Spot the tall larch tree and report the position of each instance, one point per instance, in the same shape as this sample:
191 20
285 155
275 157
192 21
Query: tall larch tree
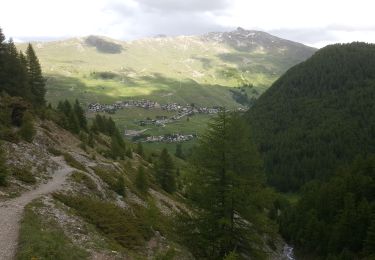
227 185
80 113
36 80
164 171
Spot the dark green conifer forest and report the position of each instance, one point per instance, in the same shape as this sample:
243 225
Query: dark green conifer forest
315 129
319 115
21 74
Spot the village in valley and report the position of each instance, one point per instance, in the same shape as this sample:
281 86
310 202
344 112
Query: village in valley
181 111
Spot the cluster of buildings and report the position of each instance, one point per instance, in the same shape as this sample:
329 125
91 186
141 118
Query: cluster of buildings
189 109
112 108
171 138
149 104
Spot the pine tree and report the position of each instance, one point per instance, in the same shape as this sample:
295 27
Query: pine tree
2 60
141 180
227 184
140 149
2 36
369 245
91 141
120 186
80 114
27 130
73 122
3 168
129 153
179 152
116 150
164 171
13 74
36 80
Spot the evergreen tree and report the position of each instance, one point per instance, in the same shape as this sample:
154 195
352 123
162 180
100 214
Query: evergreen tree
2 60
227 186
3 168
129 153
140 149
164 172
369 245
73 122
179 152
27 130
70 120
80 114
141 181
2 36
120 186
13 77
36 80
117 151
91 141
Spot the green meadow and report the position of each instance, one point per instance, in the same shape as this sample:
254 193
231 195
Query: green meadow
183 69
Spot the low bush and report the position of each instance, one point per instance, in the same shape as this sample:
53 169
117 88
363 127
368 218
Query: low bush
113 179
24 175
54 151
114 222
3 170
82 178
27 130
71 161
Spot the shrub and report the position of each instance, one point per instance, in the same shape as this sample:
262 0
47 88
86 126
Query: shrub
85 180
113 179
54 151
3 170
141 181
27 130
129 153
73 162
114 222
24 175
9 135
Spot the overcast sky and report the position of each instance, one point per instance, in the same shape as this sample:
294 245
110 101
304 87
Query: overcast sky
315 23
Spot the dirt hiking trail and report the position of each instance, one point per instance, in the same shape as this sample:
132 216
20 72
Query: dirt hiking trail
11 211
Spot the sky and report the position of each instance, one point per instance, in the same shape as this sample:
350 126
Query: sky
314 23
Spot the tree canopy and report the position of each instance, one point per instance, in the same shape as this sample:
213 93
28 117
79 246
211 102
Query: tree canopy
226 185
317 116
20 74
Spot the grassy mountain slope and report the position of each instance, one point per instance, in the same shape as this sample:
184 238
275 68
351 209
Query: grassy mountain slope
181 69
318 115
87 216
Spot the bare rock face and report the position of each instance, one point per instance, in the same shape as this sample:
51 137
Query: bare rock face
252 40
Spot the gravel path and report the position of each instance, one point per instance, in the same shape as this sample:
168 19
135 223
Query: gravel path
11 211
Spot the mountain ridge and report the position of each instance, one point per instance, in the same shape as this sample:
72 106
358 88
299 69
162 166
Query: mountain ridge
150 63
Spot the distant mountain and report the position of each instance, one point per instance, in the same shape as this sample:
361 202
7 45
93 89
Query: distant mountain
175 69
251 40
318 116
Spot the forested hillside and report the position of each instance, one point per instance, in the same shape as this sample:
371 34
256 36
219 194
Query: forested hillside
319 115
335 219
73 188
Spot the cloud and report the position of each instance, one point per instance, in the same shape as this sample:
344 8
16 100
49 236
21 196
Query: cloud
314 23
166 6
134 19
